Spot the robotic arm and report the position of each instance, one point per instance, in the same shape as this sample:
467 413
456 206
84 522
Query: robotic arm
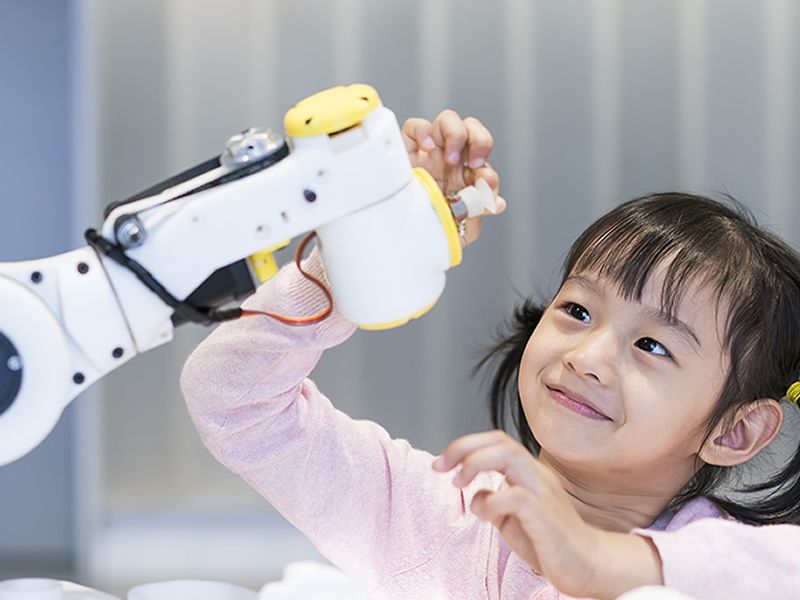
184 248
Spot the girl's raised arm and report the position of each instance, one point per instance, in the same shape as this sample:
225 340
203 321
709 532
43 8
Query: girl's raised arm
368 502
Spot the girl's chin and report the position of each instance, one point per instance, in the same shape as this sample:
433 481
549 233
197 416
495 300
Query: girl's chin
570 442
572 459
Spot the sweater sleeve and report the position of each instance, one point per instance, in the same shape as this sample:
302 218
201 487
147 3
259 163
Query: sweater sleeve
719 559
371 504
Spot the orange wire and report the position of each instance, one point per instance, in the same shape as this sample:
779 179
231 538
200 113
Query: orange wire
309 320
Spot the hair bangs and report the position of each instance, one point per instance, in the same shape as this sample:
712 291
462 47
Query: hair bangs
628 251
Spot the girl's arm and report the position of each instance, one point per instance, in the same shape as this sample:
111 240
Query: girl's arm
718 559
254 367
369 503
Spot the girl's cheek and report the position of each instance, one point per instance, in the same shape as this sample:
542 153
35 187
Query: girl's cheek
531 364
548 341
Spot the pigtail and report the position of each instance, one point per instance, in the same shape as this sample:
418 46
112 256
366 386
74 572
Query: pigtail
502 361
781 504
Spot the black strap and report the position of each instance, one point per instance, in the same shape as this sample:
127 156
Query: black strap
187 311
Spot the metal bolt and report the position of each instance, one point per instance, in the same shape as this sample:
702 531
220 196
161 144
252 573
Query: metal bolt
129 231
251 145
14 363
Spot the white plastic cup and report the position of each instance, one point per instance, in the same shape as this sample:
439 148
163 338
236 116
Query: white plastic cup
311 580
190 589
654 592
31 589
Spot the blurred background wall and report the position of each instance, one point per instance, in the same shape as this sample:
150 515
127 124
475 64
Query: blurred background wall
590 103
36 206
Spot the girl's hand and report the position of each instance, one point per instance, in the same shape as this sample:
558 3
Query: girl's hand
533 514
454 151
537 519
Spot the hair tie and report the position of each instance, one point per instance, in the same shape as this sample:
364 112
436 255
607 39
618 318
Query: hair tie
793 393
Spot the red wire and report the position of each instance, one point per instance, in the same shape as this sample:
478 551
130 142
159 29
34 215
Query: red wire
309 320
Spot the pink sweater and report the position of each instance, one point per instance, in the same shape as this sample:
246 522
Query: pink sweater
374 506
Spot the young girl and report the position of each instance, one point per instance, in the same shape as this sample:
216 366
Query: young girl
657 367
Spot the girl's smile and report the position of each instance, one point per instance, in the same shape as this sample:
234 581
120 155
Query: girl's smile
576 403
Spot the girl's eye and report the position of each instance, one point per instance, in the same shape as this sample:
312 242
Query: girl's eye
652 346
576 311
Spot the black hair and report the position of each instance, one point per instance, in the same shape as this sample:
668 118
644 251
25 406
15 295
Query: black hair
754 273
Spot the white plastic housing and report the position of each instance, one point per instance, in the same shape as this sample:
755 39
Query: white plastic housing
388 261
66 329
365 166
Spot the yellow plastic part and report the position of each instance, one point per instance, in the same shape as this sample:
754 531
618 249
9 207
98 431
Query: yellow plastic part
398 322
264 264
793 393
331 110
444 213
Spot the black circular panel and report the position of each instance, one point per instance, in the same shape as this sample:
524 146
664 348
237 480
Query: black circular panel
10 373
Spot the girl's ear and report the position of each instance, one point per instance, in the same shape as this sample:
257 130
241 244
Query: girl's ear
754 427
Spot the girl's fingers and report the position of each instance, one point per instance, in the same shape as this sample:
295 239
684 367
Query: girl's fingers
495 507
488 173
511 511
460 447
510 459
418 135
472 231
450 133
480 143
479 503
500 204
450 141
490 451
489 458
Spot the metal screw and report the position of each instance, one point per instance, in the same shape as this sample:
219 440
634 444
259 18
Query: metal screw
36 277
83 268
117 352
129 231
310 195
249 146
14 363
78 378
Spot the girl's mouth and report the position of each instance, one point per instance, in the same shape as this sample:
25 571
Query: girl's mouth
565 399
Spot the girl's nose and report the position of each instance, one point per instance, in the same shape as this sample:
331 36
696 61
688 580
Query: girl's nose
593 356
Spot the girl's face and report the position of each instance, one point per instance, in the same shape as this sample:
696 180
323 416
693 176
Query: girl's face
614 384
